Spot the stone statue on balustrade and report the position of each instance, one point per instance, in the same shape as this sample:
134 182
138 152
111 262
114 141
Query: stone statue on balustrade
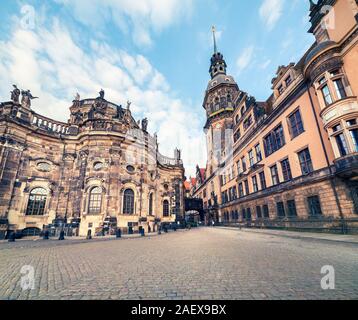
15 94
27 97
177 154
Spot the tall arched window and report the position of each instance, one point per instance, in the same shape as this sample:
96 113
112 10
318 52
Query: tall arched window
166 208
128 202
151 204
95 201
37 202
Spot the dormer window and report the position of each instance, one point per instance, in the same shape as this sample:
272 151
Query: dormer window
247 122
288 81
280 89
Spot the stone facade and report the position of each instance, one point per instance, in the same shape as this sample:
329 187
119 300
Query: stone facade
292 160
99 171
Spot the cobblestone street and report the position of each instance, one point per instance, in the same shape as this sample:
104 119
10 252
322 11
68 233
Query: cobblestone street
199 264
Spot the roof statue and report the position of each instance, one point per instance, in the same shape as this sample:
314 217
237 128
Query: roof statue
15 94
26 98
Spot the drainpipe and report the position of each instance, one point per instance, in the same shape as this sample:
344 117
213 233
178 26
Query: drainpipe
333 184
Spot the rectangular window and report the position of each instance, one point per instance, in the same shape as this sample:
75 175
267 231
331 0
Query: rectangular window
291 206
244 167
251 158
248 214
258 153
238 164
266 211
244 217
326 95
247 122
237 135
280 89
247 188
354 135
340 91
342 144
296 124
281 210
322 81
314 206
254 183
286 170
274 141
274 175
288 81
241 190
305 161
234 193
263 180
258 212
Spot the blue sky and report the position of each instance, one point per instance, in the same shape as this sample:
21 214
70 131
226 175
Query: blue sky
153 52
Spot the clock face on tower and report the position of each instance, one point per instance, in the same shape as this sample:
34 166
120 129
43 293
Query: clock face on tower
218 126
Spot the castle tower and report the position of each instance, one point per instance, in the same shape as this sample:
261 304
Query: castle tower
219 99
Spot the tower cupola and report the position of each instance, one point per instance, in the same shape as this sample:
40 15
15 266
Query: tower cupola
218 64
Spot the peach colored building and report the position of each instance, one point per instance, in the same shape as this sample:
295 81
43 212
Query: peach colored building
292 160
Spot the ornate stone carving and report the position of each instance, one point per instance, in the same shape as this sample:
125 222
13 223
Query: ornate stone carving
83 154
325 66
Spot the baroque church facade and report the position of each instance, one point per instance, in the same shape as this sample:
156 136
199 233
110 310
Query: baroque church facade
100 171
290 161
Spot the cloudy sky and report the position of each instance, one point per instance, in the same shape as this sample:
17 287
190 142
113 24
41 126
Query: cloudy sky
154 53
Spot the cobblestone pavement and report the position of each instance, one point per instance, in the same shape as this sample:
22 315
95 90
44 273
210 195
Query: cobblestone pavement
199 264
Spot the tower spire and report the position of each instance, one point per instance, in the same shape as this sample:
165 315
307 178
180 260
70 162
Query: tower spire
213 29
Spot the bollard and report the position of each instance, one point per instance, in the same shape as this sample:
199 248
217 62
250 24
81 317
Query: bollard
119 233
142 232
46 235
175 228
62 236
12 237
89 235
159 231
165 230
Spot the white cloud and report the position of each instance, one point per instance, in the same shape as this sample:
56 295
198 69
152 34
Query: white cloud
139 17
49 63
265 64
245 58
270 12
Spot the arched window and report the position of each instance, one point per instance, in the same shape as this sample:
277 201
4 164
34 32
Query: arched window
37 202
128 202
166 208
95 201
151 204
